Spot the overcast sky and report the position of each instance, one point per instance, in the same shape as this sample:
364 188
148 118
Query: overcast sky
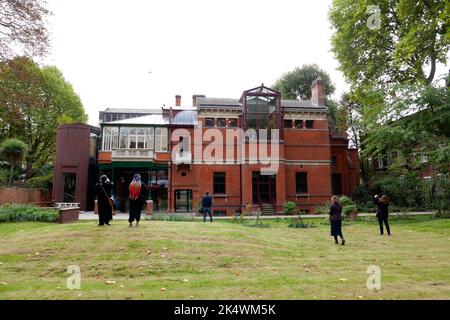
141 53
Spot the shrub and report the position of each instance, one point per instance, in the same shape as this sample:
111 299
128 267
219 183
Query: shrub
3 177
40 182
346 201
361 194
346 210
23 213
299 223
323 209
290 208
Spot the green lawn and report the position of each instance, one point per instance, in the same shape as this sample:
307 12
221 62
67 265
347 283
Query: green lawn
192 260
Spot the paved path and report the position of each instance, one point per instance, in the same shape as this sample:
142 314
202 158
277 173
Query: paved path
124 216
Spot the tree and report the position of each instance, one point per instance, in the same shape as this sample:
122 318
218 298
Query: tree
36 101
403 46
13 151
296 84
415 126
349 118
23 27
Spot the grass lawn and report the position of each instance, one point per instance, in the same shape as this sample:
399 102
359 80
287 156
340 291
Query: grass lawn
224 260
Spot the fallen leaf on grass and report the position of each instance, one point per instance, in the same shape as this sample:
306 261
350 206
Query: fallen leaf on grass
110 282
163 289
343 279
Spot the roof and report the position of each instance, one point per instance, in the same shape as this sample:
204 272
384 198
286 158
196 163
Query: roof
293 105
152 119
186 118
289 105
176 108
218 102
124 110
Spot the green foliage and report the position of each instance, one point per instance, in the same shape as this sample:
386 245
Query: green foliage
300 224
345 201
23 213
34 101
323 209
412 193
290 208
348 209
39 182
296 84
411 36
13 150
3 177
361 194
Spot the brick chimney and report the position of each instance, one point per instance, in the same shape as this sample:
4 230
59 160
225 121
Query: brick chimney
178 100
318 92
194 98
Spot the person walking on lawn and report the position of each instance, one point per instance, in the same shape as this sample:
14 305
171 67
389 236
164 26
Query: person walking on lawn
138 195
336 220
207 206
103 191
382 212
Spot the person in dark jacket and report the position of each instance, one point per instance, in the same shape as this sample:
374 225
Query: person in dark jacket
103 191
336 220
138 196
382 212
206 207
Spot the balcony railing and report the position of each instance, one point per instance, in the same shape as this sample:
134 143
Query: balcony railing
183 158
133 154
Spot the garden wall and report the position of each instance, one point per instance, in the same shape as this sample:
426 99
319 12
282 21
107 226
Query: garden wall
25 196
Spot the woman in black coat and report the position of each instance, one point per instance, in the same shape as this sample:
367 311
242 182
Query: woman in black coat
103 191
382 212
138 196
336 220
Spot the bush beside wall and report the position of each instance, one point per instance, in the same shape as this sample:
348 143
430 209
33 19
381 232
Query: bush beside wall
23 213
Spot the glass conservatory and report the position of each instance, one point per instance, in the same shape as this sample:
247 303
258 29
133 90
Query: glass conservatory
262 109
134 141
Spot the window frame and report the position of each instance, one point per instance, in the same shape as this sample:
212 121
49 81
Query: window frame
309 124
297 182
222 185
210 126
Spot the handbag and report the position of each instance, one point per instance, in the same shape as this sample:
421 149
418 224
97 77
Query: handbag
110 201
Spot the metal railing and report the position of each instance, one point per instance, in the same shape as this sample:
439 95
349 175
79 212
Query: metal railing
133 154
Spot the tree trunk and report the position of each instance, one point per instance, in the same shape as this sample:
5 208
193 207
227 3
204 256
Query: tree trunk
29 171
432 71
11 171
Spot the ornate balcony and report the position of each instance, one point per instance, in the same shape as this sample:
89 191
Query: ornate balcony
133 154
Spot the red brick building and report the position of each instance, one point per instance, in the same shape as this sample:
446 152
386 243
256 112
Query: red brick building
225 147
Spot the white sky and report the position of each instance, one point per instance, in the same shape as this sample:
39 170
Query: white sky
106 48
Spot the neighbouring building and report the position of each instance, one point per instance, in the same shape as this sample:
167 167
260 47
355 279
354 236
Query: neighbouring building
313 160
